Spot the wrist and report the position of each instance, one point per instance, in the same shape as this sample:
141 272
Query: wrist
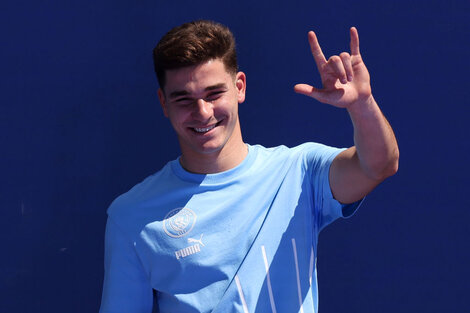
361 105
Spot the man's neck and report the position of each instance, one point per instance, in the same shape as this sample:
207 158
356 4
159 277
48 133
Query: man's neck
225 159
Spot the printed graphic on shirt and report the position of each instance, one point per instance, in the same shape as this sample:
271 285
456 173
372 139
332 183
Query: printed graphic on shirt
179 222
197 240
182 253
188 251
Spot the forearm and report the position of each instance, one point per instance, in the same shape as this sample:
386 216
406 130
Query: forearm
375 142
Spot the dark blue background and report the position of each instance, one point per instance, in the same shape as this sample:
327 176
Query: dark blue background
80 124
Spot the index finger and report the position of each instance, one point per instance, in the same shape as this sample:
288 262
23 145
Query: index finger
316 50
354 41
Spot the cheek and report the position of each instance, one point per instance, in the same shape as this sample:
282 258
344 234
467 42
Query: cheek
223 111
177 117
228 106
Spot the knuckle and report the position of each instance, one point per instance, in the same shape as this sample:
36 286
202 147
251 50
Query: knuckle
335 59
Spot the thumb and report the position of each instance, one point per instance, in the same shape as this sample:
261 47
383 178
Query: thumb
310 91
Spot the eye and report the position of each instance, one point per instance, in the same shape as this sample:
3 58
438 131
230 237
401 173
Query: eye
214 95
184 101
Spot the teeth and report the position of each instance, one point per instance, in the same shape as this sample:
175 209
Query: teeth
203 130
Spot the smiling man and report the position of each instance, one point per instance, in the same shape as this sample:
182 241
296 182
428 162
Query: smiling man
229 226
209 135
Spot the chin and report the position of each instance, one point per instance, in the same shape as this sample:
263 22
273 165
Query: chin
209 149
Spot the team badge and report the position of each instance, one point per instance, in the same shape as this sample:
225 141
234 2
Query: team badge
179 222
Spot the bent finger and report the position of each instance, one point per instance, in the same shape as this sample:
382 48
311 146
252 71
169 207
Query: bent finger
337 67
346 59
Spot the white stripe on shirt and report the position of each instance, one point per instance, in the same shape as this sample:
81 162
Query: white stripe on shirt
299 291
310 270
271 297
240 292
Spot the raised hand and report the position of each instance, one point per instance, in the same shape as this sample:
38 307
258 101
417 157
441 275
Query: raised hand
345 78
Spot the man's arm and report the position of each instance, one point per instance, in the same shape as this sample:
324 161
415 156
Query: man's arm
346 84
126 287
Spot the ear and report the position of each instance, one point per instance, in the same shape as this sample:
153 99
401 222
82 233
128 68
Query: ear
240 83
161 97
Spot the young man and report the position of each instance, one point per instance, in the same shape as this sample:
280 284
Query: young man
232 227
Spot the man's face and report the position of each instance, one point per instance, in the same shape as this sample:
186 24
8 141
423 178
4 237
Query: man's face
201 102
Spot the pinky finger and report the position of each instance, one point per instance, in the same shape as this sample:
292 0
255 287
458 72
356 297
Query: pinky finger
354 41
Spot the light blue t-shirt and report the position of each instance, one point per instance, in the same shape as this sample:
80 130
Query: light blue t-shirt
243 240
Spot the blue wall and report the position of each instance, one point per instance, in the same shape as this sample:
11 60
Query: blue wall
80 124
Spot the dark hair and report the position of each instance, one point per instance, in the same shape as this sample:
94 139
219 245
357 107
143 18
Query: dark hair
194 43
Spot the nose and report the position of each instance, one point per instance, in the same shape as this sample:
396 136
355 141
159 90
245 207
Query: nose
203 110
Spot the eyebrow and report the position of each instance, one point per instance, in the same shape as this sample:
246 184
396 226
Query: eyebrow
179 93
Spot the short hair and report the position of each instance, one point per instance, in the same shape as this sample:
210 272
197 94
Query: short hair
194 43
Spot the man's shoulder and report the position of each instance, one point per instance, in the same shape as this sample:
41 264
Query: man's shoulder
304 148
151 187
309 156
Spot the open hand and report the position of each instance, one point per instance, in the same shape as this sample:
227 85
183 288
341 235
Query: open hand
345 78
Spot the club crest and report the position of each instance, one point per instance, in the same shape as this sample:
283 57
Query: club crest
179 222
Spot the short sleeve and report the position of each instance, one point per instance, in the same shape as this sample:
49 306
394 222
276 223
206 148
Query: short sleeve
326 208
126 287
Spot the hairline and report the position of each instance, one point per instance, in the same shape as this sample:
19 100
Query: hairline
233 74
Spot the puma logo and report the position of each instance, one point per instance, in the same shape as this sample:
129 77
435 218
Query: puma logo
197 240
193 249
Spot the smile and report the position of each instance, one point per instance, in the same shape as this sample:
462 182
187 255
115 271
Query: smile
204 130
